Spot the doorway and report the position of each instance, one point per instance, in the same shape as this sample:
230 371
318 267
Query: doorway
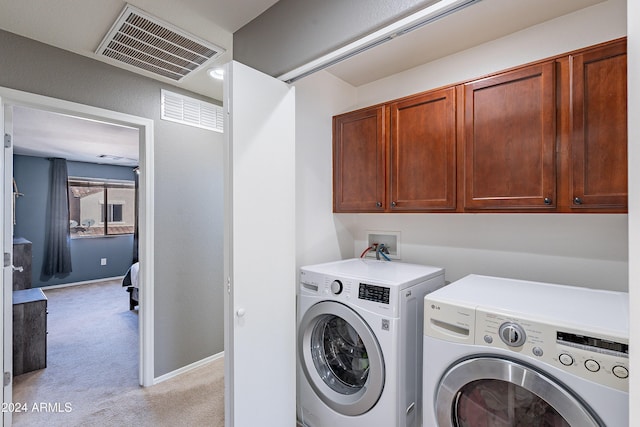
10 98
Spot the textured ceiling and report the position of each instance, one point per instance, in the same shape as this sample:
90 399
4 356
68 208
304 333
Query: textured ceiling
44 134
80 26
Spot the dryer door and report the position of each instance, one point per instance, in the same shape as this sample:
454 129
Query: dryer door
491 391
341 358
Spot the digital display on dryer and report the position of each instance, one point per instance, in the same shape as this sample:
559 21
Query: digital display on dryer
586 341
374 293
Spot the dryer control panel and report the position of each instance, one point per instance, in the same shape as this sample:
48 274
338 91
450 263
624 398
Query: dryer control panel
593 356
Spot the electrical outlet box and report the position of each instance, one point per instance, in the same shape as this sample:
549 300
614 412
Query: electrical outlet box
103 261
390 239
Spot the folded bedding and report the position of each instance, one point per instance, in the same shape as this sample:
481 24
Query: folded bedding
131 278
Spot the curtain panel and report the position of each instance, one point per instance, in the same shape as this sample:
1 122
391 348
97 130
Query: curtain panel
58 247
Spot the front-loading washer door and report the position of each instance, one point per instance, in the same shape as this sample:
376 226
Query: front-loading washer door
497 392
341 358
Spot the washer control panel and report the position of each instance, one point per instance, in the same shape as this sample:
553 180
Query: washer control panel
604 360
375 297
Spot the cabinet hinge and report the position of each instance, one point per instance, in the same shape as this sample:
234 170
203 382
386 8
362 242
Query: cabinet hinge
7 140
7 378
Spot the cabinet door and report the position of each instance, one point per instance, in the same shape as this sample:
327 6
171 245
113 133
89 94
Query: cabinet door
599 139
423 152
359 161
510 140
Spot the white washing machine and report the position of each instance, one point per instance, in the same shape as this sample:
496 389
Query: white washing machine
360 342
501 352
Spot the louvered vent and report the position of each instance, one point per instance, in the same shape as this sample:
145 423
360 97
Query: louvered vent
191 111
147 43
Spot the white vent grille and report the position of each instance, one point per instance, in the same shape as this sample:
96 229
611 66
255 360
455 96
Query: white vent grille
147 43
190 111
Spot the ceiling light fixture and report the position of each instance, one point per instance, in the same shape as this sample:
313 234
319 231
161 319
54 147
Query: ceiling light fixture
216 73
398 28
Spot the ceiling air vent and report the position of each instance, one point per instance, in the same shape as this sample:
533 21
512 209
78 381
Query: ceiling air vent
150 44
190 111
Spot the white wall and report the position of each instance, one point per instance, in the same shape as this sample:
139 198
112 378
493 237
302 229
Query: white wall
583 250
633 54
321 236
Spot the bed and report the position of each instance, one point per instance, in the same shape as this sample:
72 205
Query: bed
130 281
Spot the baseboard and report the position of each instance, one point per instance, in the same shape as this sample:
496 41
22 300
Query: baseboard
188 368
86 282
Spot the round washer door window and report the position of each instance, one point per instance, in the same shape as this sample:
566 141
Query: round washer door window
496 392
341 358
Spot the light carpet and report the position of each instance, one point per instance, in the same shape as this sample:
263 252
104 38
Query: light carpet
91 378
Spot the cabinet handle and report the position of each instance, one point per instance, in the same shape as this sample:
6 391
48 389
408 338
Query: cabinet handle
393 204
378 204
577 200
547 201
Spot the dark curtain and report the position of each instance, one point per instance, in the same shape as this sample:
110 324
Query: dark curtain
136 173
58 250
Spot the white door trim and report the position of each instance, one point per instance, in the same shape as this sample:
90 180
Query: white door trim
6 220
146 223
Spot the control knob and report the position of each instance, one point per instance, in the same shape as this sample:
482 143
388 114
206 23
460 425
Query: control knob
336 287
512 334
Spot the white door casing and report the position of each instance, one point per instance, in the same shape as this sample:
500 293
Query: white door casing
6 128
9 97
259 249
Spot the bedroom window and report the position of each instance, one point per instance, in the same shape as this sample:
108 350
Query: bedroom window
101 207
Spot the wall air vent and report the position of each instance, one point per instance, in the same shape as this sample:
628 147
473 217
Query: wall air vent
190 111
147 43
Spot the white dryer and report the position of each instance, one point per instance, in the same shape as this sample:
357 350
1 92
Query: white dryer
501 352
360 342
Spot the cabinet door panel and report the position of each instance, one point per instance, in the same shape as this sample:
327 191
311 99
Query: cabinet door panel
599 144
510 140
423 147
358 156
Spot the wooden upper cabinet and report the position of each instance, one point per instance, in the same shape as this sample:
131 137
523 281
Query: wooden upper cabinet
423 152
545 137
510 140
599 128
359 177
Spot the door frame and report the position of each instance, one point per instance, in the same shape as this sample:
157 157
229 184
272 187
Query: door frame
11 97
6 233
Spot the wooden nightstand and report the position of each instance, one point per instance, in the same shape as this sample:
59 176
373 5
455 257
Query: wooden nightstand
29 330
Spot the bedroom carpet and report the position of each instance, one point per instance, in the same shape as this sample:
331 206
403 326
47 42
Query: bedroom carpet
91 378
